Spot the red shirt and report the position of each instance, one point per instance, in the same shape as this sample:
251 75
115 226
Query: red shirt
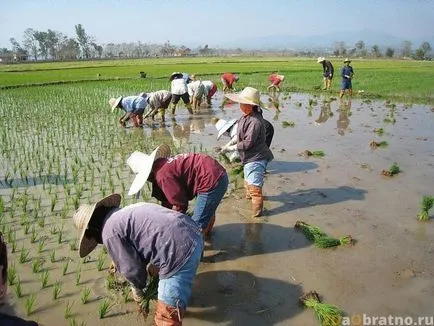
275 79
229 78
178 179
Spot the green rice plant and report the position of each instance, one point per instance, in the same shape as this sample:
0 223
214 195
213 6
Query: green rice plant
53 256
60 236
393 170
65 267
327 314
78 276
237 170
85 295
68 310
44 279
24 255
311 232
14 244
53 202
104 308
73 245
126 293
318 153
37 265
426 204
17 288
2 206
33 236
41 222
57 287
320 238
150 293
41 245
30 303
10 234
379 131
12 274
288 124
53 230
328 242
101 261
26 228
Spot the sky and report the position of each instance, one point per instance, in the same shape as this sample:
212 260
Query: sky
212 22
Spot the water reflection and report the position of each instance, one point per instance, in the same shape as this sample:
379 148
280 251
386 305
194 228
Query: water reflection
180 133
344 112
324 114
252 244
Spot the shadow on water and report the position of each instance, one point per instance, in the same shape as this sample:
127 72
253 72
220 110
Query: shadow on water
313 197
34 181
276 167
235 240
236 297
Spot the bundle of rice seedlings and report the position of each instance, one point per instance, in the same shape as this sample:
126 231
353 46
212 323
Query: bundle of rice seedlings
150 293
320 238
288 124
225 158
381 144
393 169
327 314
425 206
308 153
237 170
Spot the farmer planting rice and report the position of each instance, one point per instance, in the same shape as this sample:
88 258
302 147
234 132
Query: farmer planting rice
275 80
251 144
210 90
134 107
228 79
145 238
179 91
178 179
158 101
347 74
5 319
328 72
196 91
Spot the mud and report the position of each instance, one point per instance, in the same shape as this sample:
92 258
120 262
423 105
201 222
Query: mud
255 269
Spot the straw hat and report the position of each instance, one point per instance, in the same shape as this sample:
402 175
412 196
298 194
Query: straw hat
347 60
141 164
320 59
114 102
175 75
82 218
223 125
281 77
249 95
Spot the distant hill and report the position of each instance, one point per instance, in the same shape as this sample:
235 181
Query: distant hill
325 41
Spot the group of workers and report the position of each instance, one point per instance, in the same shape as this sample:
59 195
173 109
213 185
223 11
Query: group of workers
347 73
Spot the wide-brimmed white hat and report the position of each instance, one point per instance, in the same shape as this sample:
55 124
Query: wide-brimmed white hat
176 75
223 125
84 215
114 102
141 165
320 59
347 60
248 95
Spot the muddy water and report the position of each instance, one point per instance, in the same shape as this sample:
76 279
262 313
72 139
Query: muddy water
255 269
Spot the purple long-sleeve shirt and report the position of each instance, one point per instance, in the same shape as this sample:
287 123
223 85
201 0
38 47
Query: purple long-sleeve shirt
145 233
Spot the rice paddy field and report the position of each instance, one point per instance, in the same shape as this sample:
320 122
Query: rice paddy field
62 147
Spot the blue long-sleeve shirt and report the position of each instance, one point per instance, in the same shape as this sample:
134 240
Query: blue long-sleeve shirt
347 71
133 104
145 233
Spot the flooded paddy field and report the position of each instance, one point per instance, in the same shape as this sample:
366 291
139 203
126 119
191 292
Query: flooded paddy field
62 147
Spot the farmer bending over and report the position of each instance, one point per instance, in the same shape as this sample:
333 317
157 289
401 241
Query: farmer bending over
141 235
196 90
327 72
178 88
134 107
228 79
158 101
275 80
178 179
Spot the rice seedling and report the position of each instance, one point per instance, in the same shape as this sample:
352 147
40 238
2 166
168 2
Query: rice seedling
65 267
30 303
60 236
150 293
41 245
37 265
288 124
126 293
320 238
14 245
44 279
379 131
68 310
57 287
17 288
101 261
24 255
426 204
327 314
373 144
236 170
10 234
41 222
308 153
12 274
53 256
78 276
104 308
53 230
33 235
393 170
53 202
73 245
26 228
85 295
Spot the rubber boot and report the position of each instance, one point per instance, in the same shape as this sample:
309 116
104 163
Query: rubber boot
325 84
166 315
257 200
208 230
246 190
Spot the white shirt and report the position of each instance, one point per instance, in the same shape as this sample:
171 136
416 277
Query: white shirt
178 86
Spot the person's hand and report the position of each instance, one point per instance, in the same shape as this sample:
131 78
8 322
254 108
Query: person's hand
122 123
152 270
137 294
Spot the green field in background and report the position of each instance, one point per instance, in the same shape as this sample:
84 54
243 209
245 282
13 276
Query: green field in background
404 80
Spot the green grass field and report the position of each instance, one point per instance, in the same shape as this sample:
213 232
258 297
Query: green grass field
401 80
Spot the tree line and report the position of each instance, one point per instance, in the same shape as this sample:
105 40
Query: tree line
53 45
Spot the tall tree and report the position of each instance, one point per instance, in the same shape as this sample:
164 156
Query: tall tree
406 49
30 43
376 51
83 40
389 52
69 49
52 42
41 37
